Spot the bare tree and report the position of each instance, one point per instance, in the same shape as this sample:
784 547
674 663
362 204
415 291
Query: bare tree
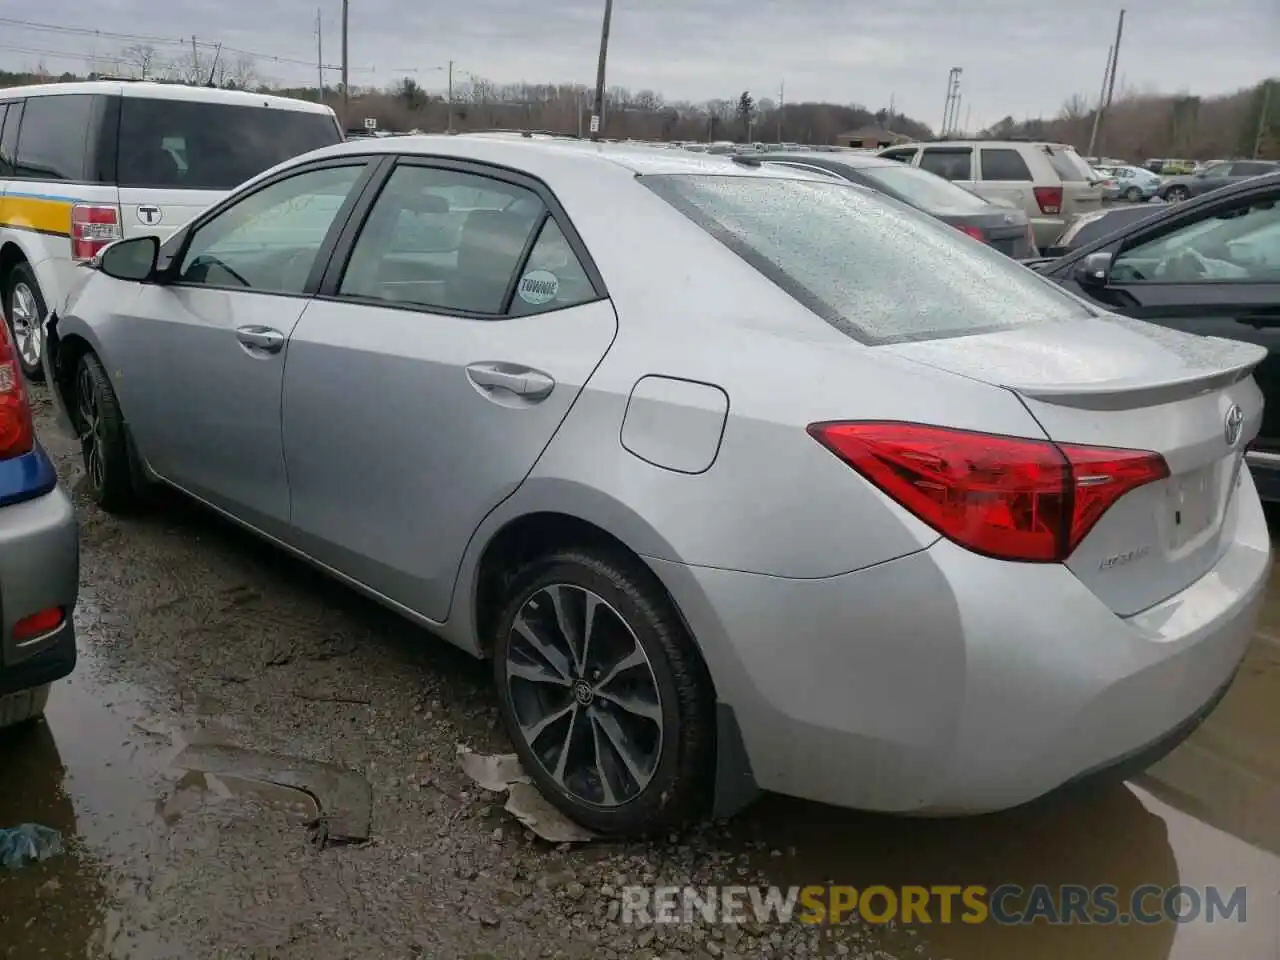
141 59
242 73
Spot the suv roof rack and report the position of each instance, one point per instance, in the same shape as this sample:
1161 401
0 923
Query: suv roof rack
1045 140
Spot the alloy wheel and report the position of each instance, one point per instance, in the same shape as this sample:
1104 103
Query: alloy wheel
89 426
26 324
584 695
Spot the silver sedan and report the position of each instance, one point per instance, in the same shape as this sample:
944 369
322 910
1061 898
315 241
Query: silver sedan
746 479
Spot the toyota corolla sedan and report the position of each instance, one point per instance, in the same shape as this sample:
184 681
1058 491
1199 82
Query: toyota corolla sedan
743 477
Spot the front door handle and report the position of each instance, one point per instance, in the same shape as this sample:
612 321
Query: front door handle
524 382
261 338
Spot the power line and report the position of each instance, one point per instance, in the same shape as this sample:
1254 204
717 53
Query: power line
166 41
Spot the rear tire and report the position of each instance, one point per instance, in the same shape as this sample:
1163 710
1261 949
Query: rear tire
23 706
104 443
25 309
619 732
1177 194
1133 195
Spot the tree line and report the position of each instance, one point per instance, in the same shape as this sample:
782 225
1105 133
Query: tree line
1138 124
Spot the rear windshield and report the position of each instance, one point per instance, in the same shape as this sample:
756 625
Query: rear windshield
189 145
873 268
1068 164
925 190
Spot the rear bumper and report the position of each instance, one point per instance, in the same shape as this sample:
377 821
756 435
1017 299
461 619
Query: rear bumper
1265 468
39 569
946 683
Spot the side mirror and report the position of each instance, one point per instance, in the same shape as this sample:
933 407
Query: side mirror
133 259
1094 270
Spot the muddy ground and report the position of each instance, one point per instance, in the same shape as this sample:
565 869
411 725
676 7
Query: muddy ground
194 634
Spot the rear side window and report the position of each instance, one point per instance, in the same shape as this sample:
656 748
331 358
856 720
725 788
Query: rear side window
950 163
194 145
1067 164
874 270
902 156
53 142
1004 164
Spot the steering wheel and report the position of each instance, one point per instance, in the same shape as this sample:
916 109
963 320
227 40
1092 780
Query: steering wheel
207 261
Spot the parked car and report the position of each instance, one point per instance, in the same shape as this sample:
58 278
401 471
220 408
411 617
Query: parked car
705 571
1049 181
1211 266
39 557
1129 183
1100 223
82 164
1006 229
1214 177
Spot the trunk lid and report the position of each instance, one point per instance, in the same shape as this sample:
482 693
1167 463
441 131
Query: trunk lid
1117 382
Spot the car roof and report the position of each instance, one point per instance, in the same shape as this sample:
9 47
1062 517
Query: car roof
164 91
546 156
1219 197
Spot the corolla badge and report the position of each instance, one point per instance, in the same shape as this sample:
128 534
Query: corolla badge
1233 424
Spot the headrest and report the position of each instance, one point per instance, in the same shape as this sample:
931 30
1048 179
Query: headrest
492 240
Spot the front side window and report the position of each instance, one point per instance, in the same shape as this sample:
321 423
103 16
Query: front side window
950 163
269 241
444 240
1004 164
1240 245
873 269
53 143
198 145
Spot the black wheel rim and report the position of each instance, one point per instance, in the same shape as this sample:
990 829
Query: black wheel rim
89 424
584 695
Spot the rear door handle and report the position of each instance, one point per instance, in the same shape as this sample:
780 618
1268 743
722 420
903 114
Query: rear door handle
261 338
522 381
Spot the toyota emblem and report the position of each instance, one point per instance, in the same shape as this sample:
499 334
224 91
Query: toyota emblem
1234 424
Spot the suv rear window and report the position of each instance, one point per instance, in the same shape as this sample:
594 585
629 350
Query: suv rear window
194 145
1068 164
876 271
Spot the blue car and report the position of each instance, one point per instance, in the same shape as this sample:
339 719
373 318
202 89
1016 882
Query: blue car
1129 183
39 557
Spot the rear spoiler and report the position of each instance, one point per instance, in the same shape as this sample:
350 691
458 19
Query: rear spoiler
1237 361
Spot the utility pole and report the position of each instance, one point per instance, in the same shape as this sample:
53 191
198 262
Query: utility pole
195 62
319 60
1263 118
1111 80
346 91
782 104
950 110
1102 96
597 116
450 127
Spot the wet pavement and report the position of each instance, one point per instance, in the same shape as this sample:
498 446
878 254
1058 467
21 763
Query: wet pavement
233 710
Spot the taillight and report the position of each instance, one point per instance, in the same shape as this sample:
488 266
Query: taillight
38 624
17 435
1003 497
1049 198
92 228
975 232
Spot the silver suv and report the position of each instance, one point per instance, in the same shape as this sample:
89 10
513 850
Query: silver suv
1050 181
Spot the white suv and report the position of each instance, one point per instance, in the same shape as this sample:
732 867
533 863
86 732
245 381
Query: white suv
1050 181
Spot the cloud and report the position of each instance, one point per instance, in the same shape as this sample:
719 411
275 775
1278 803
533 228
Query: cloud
1019 59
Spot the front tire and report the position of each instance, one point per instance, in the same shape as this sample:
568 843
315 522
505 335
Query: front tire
104 446
1177 194
23 706
604 694
25 308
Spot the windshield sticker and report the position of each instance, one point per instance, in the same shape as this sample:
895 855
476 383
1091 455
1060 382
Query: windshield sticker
538 287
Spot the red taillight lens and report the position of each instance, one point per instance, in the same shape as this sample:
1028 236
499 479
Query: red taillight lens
1004 497
975 232
38 624
1049 198
92 228
17 435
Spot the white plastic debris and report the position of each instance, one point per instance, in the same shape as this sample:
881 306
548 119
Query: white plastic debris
502 773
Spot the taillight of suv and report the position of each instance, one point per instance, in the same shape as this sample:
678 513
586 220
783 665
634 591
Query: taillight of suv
1050 200
93 226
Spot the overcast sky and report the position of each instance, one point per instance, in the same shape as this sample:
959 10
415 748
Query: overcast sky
1021 58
